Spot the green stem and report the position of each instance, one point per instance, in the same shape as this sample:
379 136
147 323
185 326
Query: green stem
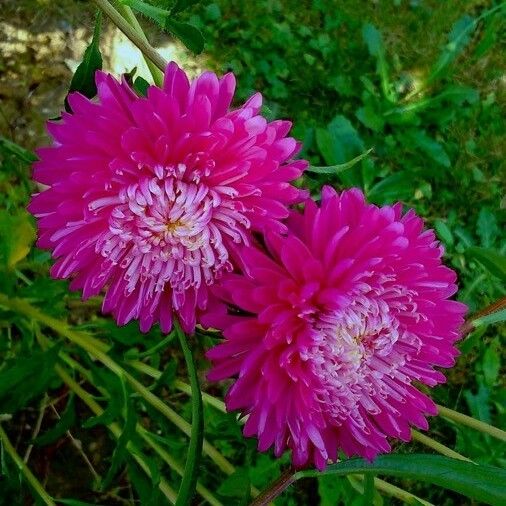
140 41
166 457
128 14
115 429
95 348
438 447
472 422
189 481
180 385
29 476
399 493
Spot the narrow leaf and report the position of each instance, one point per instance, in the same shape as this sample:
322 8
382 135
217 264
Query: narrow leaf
491 259
480 482
335 169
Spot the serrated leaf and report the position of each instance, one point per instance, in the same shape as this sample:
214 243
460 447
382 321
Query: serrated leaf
491 259
25 378
157 14
66 421
479 482
83 79
188 34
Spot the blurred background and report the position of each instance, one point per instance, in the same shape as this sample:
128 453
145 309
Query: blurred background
420 82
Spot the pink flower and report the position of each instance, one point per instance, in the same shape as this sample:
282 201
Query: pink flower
335 323
148 196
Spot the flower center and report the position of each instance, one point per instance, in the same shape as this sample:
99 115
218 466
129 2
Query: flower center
169 229
354 351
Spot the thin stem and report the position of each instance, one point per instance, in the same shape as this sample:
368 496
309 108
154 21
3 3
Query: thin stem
399 493
438 447
468 326
95 349
146 49
472 422
189 481
169 460
128 14
174 464
275 488
114 427
29 476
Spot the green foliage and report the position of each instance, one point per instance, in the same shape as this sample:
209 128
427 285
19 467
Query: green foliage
167 19
396 99
83 79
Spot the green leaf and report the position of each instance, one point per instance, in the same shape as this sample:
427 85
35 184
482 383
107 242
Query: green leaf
181 5
330 490
141 86
458 39
487 227
374 41
24 378
336 169
112 384
339 143
444 232
491 362
83 79
491 259
66 421
397 186
75 502
479 482
17 235
429 146
120 452
496 317
369 118
188 34
236 485
148 494
189 481
7 146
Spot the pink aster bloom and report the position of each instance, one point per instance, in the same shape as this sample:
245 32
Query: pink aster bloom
148 196
336 322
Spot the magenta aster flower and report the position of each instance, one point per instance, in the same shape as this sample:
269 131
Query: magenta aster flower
335 324
148 196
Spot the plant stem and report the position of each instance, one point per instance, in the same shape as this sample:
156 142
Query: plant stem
115 429
472 422
189 481
29 476
180 385
140 41
128 14
438 447
275 488
399 493
468 326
